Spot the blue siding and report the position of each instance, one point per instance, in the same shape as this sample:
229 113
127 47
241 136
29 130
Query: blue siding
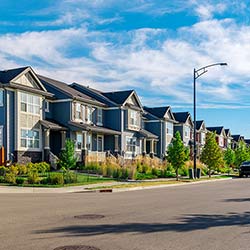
112 119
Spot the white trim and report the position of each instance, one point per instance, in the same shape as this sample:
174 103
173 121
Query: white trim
20 148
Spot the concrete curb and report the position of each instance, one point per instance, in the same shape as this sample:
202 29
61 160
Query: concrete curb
83 189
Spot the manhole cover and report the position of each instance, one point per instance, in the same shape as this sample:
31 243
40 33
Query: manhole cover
77 247
89 216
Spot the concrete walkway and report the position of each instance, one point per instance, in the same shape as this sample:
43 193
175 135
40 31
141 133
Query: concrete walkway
84 188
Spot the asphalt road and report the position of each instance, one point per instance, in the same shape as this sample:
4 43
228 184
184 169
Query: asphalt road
203 216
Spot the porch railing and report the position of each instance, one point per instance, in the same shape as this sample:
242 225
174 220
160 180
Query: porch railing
96 156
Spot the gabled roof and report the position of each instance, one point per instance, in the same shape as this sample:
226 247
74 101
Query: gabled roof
217 130
118 97
181 117
7 75
237 137
147 134
69 91
159 112
94 93
199 124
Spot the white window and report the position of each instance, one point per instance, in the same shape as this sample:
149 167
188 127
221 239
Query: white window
89 142
99 116
79 141
29 138
89 114
187 131
203 138
30 103
100 143
1 97
46 106
221 141
131 144
78 111
1 136
170 128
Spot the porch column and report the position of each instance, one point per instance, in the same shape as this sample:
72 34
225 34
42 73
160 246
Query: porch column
46 144
151 148
63 139
84 148
144 150
116 145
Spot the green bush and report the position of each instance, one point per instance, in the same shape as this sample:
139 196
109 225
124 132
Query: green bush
110 171
168 174
10 178
56 179
69 177
22 169
3 170
2 180
143 176
20 180
33 176
125 173
42 167
13 169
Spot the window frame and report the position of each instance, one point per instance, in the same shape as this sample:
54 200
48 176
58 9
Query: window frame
28 101
99 117
79 144
130 144
1 136
29 139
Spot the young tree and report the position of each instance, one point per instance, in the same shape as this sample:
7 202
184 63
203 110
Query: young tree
67 157
229 158
211 154
241 154
177 154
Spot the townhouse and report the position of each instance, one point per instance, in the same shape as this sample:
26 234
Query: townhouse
200 136
160 121
22 113
236 139
124 113
221 137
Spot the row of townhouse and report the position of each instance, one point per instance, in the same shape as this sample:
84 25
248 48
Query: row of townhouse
38 114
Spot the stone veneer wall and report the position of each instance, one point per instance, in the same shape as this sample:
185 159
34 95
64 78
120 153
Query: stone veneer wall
27 156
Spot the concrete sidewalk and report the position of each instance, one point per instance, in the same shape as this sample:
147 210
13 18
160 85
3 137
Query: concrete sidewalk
85 188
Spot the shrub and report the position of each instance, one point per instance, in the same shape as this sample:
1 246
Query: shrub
132 173
67 157
3 170
110 171
20 180
33 176
125 173
13 169
2 180
22 169
56 179
69 177
42 167
10 178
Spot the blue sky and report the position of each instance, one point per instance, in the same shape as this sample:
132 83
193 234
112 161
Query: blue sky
150 46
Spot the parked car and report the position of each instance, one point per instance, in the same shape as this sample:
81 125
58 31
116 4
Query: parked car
244 169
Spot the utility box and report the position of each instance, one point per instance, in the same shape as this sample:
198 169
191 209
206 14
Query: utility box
191 173
2 159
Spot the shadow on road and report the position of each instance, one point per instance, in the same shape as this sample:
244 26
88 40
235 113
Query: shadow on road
186 223
237 200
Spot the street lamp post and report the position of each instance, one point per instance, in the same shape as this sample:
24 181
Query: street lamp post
197 74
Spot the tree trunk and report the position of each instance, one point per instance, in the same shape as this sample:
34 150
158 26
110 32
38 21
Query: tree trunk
209 173
177 176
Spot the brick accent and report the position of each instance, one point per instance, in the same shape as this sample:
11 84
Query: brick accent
27 156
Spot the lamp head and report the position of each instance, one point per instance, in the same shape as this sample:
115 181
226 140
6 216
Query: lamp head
223 64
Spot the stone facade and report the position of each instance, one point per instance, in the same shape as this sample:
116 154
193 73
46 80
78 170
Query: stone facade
27 156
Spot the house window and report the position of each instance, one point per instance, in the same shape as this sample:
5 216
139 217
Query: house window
79 141
1 136
203 138
99 116
30 103
29 138
78 111
99 143
187 131
134 118
89 114
170 128
46 106
221 141
89 142
131 144
1 98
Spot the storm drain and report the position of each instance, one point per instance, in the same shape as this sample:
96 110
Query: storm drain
89 216
77 247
